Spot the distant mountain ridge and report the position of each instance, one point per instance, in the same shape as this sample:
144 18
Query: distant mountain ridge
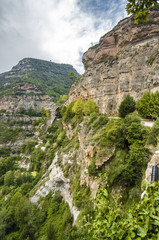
50 78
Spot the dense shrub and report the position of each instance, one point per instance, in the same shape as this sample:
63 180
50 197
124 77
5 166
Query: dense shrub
78 107
127 106
138 222
132 117
136 160
113 133
154 133
148 105
81 195
30 112
90 107
92 168
67 113
134 132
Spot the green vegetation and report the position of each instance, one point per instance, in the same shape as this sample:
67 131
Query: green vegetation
152 59
111 60
77 110
85 65
140 9
30 112
127 106
94 150
90 107
50 78
148 105
111 221
9 134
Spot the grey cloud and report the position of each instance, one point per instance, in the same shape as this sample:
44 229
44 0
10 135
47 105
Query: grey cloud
35 29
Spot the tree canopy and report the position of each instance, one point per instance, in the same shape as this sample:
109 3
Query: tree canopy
127 106
140 9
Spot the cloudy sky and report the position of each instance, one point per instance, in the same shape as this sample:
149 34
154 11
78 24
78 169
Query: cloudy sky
57 30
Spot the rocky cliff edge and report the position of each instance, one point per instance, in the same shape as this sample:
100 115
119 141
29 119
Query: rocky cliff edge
125 61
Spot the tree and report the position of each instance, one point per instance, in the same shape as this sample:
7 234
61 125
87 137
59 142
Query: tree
134 132
90 107
127 106
140 9
148 105
72 76
67 113
9 178
78 107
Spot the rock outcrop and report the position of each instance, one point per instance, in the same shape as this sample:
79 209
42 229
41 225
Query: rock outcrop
54 180
27 97
124 34
125 61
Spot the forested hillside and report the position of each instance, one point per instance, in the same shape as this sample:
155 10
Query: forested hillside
50 78
86 168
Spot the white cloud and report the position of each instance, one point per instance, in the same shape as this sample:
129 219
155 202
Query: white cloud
56 30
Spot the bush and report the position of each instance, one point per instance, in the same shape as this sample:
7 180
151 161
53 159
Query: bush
92 168
154 133
136 160
90 107
67 113
132 117
99 122
9 178
78 107
112 133
61 138
127 106
134 132
148 105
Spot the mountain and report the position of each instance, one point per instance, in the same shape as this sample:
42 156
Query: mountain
49 78
126 60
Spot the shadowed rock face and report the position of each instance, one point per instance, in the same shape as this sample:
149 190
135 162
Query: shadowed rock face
125 61
124 34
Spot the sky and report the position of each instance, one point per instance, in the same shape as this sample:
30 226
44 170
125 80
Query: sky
56 30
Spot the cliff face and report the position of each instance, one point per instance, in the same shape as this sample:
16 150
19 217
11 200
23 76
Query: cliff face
27 96
125 61
124 34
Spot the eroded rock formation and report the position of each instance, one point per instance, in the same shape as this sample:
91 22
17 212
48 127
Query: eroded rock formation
125 61
124 34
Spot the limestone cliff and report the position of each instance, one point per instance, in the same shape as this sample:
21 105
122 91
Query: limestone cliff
27 96
126 60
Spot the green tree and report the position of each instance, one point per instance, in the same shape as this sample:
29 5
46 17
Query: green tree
127 106
140 9
72 76
113 133
90 107
9 178
148 105
78 107
134 132
136 161
67 113
143 105
62 99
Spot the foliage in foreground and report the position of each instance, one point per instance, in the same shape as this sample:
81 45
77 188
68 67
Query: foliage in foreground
140 9
139 222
